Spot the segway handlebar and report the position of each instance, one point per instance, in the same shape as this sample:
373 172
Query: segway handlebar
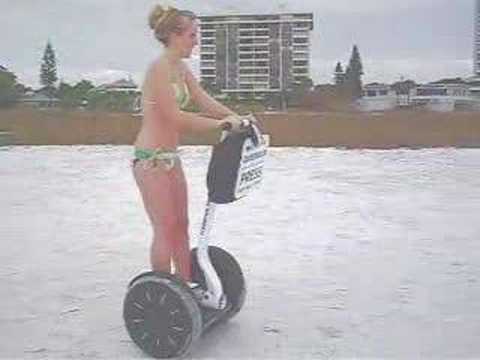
245 122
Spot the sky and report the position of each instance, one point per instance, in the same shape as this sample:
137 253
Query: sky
104 40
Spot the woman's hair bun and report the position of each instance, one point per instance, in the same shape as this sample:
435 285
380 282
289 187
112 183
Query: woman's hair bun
157 12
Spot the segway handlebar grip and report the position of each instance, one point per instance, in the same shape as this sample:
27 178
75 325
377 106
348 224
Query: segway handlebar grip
226 126
245 124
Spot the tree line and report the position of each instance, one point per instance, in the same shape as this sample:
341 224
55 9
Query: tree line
347 84
79 95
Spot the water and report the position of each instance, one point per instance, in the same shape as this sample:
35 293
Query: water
346 253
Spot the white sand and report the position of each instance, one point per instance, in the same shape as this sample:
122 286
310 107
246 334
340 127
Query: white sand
347 254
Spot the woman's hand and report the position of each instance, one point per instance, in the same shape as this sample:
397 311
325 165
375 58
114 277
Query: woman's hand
232 123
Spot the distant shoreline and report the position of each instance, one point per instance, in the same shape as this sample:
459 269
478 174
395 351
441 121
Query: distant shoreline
389 130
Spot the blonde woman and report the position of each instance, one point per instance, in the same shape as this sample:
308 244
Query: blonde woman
168 87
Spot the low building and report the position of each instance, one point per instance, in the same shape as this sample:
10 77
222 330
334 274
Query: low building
475 92
474 86
39 99
377 97
476 36
444 97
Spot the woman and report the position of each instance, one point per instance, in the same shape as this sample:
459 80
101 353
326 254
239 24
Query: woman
168 87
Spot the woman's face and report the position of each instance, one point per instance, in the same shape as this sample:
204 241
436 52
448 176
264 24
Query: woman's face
187 40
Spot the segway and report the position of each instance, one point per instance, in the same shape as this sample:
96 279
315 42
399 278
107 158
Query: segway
164 315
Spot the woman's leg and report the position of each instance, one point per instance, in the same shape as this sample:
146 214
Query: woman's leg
181 241
157 188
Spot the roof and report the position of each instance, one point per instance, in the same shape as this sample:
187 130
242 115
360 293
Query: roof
257 18
445 98
3 68
122 85
450 81
376 85
473 80
266 16
38 97
442 85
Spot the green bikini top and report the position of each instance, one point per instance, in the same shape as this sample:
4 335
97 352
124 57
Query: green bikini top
182 95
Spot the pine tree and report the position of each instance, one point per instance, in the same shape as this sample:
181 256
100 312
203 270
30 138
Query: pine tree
48 69
353 74
339 74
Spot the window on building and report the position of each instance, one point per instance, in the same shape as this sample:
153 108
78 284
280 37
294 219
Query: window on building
300 71
300 31
431 92
253 71
300 63
208 71
208 35
207 49
301 24
207 63
300 48
297 56
254 79
254 63
300 40
207 57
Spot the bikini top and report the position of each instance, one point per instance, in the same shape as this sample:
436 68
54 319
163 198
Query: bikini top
182 95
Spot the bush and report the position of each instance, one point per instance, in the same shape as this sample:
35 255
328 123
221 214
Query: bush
8 89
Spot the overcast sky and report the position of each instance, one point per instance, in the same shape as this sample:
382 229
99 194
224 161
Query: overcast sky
103 40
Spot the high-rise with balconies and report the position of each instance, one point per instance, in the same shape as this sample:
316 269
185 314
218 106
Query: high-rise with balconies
255 53
476 47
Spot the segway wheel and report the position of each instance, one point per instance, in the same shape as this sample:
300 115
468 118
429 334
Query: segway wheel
161 315
230 275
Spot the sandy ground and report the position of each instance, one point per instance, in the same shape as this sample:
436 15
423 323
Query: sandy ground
347 254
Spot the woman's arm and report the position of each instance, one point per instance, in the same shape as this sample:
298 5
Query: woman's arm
164 97
204 101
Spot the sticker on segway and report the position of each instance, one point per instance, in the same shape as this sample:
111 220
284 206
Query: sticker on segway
250 172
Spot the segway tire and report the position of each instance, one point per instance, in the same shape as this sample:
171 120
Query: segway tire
161 315
230 274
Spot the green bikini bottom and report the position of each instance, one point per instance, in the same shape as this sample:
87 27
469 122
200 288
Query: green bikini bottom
150 158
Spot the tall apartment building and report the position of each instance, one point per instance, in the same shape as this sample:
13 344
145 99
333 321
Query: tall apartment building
255 53
476 55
